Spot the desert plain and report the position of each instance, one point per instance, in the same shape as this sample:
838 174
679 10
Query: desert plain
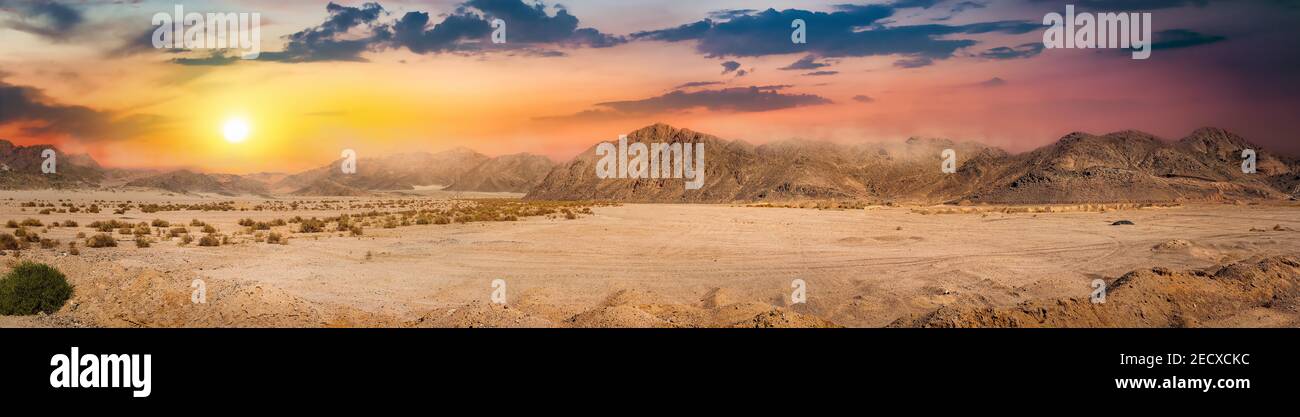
662 265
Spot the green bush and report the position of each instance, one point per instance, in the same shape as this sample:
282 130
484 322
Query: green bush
32 288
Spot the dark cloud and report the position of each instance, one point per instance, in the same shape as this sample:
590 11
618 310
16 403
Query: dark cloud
694 84
457 32
46 18
967 5
529 28
848 31
1006 52
863 99
41 116
214 59
913 62
820 73
730 66
808 62
1182 38
331 40
993 82
738 99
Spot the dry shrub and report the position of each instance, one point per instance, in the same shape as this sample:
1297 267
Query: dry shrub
101 240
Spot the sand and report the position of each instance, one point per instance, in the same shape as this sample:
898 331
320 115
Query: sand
639 265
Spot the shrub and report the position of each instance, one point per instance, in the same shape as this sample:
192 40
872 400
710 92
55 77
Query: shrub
186 239
69 223
177 231
197 223
209 229
101 241
161 223
12 224
142 242
49 244
356 230
8 242
210 240
32 288
32 222
247 222
312 225
277 238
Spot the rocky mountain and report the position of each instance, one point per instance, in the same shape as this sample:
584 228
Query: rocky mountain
1125 166
737 171
1132 166
516 173
20 168
185 181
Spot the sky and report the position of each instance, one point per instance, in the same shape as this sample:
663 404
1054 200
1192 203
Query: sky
402 75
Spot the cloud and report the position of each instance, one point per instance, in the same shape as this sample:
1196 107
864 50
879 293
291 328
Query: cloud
529 28
1182 38
331 41
863 99
1005 52
40 116
821 73
808 62
993 82
737 100
214 59
967 5
730 66
913 62
848 31
45 18
694 84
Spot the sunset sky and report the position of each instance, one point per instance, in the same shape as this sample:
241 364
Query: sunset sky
421 75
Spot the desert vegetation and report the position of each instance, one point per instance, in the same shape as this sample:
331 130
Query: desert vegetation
31 288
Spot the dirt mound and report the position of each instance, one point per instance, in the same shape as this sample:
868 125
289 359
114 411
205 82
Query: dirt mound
783 318
1155 297
480 314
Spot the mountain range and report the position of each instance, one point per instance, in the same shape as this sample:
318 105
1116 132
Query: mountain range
1127 166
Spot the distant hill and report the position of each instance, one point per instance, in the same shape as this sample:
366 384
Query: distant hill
184 181
516 173
394 172
20 168
1126 166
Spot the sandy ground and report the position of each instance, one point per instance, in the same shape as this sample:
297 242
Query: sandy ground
643 265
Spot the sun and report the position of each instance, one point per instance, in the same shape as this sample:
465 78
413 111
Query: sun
236 130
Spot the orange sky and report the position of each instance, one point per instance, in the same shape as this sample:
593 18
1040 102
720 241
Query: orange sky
302 114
